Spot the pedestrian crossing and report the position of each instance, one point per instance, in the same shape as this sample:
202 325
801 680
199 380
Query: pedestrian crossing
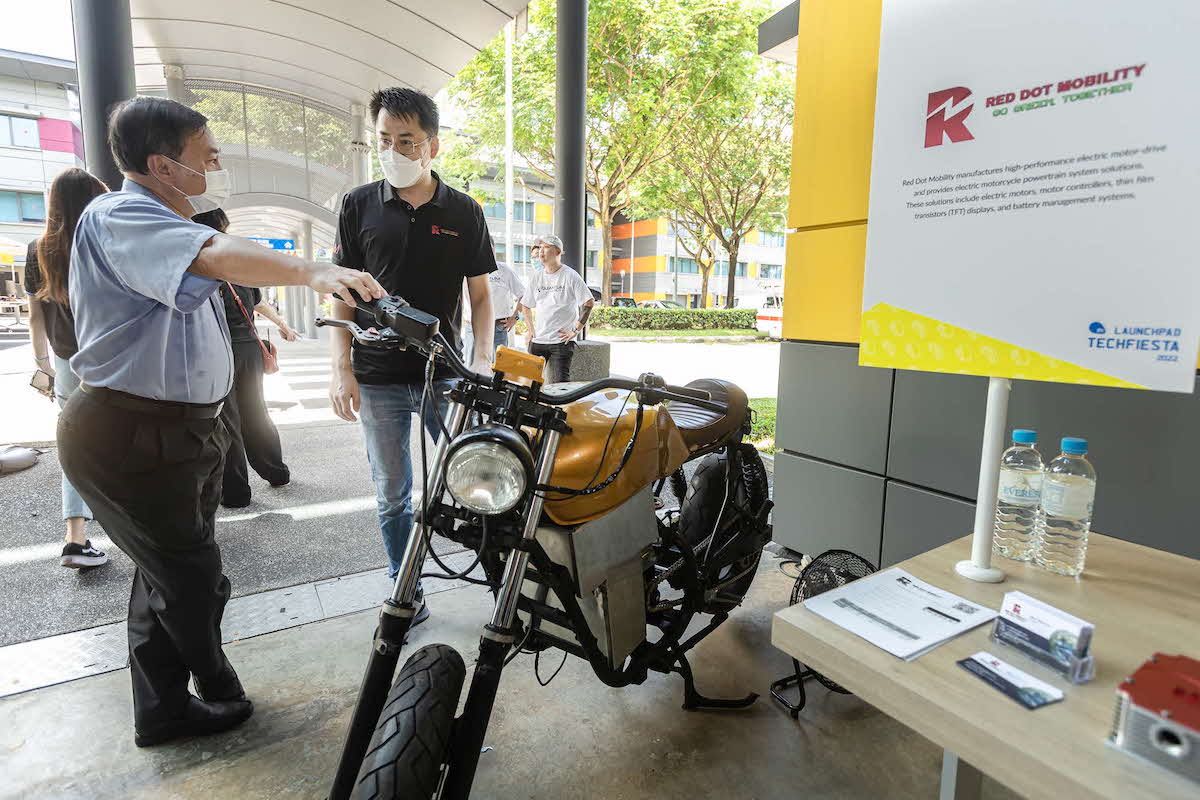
299 393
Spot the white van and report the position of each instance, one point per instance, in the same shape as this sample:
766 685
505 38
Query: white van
770 316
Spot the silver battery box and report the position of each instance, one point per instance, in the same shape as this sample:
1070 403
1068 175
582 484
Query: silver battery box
606 559
1158 714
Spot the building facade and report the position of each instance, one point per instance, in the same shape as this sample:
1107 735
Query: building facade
650 262
39 137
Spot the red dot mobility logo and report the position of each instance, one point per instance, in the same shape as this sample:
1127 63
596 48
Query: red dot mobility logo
946 117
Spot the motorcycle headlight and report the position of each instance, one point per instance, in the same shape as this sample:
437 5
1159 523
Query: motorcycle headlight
488 469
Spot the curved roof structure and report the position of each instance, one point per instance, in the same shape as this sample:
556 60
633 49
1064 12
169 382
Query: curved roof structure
331 51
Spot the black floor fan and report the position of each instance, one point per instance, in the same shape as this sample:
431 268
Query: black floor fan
831 569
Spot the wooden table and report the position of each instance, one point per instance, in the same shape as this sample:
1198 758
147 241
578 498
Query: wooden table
1141 601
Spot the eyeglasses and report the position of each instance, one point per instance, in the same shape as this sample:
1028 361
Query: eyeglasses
404 148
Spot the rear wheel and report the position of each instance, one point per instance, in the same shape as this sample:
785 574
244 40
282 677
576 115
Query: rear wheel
705 499
412 738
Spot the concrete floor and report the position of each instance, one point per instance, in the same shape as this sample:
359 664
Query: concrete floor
573 739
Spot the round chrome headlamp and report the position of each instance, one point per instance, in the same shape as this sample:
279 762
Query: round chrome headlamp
488 469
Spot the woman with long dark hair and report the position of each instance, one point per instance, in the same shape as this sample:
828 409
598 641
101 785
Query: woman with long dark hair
47 266
252 435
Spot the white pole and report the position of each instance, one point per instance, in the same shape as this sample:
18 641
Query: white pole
979 567
509 249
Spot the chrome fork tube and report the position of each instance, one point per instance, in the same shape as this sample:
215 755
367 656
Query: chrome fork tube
415 550
514 572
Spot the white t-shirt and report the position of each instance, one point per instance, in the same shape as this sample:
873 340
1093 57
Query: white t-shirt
556 300
505 287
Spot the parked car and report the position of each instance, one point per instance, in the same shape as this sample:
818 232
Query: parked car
624 302
671 304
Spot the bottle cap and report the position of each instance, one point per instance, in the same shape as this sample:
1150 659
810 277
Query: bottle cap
1074 445
1024 436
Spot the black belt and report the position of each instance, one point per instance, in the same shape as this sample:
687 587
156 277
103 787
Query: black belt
156 408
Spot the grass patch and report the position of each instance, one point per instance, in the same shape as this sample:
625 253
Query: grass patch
762 433
675 334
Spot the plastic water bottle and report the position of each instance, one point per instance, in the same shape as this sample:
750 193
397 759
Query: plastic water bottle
1067 495
1019 501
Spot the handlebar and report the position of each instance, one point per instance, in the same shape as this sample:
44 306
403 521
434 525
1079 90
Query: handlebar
403 327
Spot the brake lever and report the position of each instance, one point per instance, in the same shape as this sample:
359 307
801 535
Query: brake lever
387 339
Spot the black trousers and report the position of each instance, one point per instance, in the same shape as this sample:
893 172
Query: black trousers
252 435
558 359
154 484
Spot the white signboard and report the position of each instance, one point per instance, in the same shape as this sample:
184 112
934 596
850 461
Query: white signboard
1035 191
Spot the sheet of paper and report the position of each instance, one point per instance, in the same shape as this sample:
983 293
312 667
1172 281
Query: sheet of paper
899 613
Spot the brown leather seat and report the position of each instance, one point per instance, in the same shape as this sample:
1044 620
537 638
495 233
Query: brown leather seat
701 427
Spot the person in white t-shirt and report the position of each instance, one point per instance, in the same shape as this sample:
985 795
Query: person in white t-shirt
507 291
558 304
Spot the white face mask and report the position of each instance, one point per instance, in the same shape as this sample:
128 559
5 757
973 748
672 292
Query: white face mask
401 171
216 190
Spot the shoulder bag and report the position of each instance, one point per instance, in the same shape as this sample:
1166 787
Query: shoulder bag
270 356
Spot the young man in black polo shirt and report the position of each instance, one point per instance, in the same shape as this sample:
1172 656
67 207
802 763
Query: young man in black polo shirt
419 238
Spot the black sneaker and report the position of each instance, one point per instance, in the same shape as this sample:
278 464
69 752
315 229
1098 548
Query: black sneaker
78 556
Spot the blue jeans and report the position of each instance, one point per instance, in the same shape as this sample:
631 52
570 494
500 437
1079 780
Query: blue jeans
387 413
499 338
65 384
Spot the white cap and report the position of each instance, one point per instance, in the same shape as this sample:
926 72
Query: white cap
551 240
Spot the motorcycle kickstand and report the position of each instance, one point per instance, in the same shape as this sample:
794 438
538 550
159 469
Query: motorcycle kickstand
693 700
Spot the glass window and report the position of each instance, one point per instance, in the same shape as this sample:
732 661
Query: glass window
523 211
25 132
770 239
771 271
494 210
10 209
500 250
684 266
722 268
521 254
33 207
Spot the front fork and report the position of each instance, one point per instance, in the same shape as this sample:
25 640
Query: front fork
395 618
497 640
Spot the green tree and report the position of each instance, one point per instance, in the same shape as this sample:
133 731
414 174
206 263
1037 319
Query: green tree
729 176
651 66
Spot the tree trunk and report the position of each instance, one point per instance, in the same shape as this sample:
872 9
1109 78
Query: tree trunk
731 287
704 286
606 270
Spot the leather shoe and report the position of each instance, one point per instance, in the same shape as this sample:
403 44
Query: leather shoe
200 718
225 688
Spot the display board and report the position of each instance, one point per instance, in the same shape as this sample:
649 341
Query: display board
1034 187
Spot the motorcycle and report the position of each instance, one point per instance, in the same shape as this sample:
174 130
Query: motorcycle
559 493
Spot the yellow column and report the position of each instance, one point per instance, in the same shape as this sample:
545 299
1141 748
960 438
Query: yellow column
837 60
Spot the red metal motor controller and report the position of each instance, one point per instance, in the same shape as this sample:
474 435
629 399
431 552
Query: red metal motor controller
1167 686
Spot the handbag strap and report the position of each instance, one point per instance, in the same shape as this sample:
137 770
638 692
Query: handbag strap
249 319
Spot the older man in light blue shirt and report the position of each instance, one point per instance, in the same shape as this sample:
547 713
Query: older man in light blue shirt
146 325
142 439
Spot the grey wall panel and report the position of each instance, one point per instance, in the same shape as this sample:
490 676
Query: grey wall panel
1143 444
915 521
831 408
937 429
1144 447
820 506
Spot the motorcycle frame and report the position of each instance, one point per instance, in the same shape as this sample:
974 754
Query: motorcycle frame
527 560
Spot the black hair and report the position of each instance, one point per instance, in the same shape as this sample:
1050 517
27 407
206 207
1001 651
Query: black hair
406 103
216 219
146 126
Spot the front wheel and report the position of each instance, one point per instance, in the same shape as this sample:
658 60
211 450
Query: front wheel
412 739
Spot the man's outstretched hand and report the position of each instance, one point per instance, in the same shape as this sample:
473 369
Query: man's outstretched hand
344 283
